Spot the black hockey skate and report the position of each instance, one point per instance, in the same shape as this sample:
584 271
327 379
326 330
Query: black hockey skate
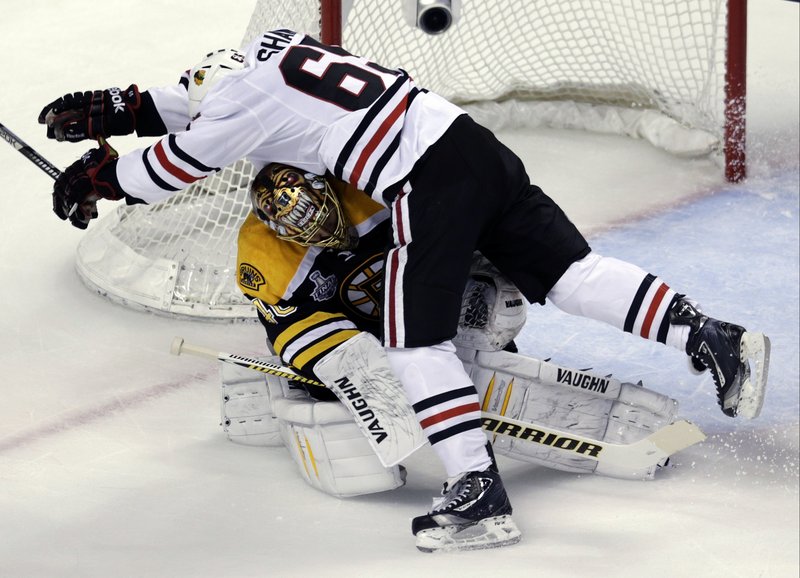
473 513
738 359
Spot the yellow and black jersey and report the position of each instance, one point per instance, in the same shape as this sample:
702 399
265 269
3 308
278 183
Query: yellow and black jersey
311 299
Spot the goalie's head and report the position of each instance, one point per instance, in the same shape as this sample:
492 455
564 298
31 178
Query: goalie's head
301 207
209 71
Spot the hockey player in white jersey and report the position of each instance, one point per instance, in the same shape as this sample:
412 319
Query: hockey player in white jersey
451 188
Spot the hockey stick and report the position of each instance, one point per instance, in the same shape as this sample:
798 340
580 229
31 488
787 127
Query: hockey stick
28 152
649 451
179 346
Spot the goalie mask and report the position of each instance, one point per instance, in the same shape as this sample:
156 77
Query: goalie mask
300 207
208 72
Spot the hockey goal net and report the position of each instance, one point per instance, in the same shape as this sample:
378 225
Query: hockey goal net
671 72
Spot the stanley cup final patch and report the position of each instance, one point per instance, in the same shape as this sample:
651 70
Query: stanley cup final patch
324 287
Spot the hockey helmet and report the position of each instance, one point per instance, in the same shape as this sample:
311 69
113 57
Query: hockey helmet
209 71
300 207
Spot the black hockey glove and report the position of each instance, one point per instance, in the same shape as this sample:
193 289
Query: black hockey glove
89 115
87 180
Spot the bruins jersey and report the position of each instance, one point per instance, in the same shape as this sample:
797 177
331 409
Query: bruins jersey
311 299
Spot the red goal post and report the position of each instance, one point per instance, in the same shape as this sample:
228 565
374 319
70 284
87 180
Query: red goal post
672 72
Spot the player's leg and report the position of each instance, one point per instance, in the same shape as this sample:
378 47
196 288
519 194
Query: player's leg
474 510
425 275
539 249
640 303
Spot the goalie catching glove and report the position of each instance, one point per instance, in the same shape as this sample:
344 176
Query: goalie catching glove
92 114
87 180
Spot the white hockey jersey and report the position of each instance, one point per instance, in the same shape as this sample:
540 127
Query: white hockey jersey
297 102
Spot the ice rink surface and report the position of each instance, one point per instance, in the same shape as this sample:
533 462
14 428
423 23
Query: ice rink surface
112 461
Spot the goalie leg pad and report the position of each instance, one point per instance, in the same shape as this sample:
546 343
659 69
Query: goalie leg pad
246 405
330 451
358 372
529 390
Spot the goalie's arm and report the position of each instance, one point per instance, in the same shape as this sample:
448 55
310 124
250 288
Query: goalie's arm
303 334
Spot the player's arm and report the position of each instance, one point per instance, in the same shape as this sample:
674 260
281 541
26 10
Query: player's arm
172 105
157 172
92 114
102 113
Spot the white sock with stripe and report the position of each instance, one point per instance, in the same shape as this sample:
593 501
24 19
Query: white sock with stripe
622 295
446 403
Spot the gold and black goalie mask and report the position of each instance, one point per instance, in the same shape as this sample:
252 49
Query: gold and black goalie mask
300 207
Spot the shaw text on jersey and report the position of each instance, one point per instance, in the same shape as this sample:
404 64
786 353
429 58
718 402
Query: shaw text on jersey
273 42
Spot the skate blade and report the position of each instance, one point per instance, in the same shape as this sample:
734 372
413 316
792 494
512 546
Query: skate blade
755 351
489 533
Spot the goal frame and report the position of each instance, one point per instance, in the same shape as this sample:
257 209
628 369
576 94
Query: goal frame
735 106
735 141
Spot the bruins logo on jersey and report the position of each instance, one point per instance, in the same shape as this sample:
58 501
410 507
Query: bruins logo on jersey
361 289
250 277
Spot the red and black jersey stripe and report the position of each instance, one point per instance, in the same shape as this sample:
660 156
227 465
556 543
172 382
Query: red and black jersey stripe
377 137
166 159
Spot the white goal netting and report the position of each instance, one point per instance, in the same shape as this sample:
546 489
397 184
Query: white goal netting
652 70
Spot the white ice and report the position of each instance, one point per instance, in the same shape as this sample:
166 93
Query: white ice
112 462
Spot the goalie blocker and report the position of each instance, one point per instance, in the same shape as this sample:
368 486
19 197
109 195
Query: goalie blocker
332 453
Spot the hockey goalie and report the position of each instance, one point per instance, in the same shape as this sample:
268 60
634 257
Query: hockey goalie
333 455
322 320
